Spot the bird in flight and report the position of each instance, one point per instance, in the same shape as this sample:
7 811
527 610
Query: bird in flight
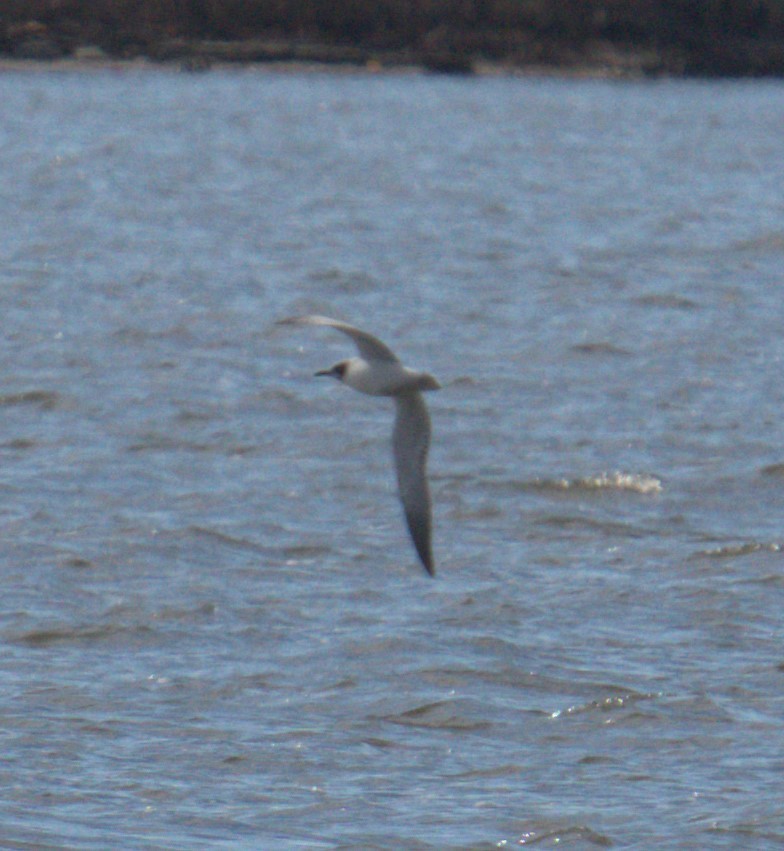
378 372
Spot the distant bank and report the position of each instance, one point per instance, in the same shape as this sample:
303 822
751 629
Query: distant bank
613 38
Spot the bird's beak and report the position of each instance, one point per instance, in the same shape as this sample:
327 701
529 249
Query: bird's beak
323 372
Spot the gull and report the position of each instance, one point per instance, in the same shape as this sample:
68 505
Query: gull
378 372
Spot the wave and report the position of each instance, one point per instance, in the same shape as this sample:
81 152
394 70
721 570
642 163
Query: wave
773 470
45 399
553 837
671 301
600 348
441 715
613 703
220 537
19 444
737 550
641 483
47 637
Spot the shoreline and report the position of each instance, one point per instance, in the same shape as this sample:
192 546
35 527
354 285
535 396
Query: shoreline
602 61
633 39
593 58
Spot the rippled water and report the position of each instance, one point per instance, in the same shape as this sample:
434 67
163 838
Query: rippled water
214 629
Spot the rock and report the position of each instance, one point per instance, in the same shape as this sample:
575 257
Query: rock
89 53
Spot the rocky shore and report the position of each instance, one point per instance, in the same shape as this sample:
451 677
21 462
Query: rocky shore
612 38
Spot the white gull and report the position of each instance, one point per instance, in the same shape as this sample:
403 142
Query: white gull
378 372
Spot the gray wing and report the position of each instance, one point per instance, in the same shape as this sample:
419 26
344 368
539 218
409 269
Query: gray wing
370 347
410 442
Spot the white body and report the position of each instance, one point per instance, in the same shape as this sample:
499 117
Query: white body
384 378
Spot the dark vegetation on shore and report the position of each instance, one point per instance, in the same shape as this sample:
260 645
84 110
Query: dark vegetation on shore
625 37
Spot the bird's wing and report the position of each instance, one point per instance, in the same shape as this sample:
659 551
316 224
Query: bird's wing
410 442
370 347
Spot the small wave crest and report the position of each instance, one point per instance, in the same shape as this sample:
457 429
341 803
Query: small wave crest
738 550
641 483
612 703
554 837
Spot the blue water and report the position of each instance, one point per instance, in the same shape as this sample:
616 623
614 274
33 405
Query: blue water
215 631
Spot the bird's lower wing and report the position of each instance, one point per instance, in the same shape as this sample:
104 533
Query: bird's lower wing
410 443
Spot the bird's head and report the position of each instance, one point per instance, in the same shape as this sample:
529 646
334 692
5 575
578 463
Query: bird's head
427 382
338 371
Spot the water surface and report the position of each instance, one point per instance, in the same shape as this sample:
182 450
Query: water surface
214 629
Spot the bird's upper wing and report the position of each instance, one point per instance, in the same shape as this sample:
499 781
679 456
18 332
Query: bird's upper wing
410 442
370 347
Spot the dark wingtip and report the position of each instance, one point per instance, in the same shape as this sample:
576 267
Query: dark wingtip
420 535
427 563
